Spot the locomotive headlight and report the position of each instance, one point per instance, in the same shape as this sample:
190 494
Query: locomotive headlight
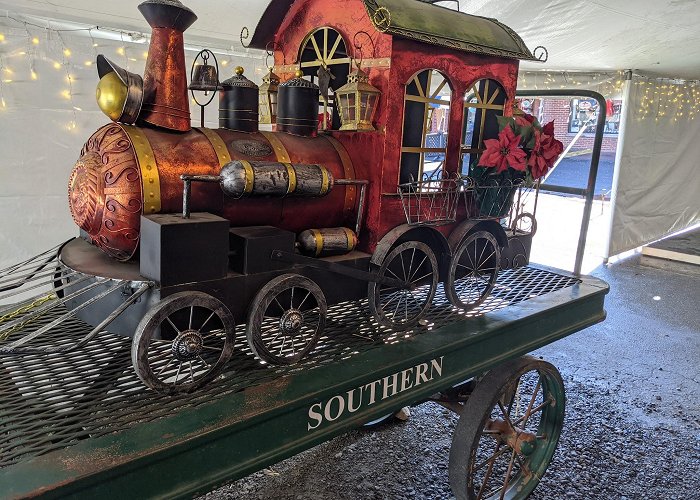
119 93
111 95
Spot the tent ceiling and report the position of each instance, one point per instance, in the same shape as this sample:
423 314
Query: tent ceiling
651 36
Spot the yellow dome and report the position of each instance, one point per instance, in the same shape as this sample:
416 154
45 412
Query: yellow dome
111 95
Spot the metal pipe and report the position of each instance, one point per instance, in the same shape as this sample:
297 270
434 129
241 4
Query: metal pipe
595 157
187 189
361 202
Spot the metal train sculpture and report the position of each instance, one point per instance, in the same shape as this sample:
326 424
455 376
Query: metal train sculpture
184 229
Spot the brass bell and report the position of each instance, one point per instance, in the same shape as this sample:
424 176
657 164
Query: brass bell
205 78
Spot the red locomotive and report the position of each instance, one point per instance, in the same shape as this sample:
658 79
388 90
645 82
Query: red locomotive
360 192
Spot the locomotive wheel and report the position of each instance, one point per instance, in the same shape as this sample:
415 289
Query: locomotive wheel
286 319
508 431
415 264
183 342
473 270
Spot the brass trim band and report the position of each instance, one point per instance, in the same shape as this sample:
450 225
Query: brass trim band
348 170
280 150
150 178
352 239
218 144
249 176
318 238
325 181
292 178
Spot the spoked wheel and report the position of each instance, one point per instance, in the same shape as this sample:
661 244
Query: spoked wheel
286 319
414 264
183 342
473 270
508 431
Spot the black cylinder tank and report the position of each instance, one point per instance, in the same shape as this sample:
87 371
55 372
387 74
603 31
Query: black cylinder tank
297 107
238 103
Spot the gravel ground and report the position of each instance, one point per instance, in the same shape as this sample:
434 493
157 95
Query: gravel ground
632 428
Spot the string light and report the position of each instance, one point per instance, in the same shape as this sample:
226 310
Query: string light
35 41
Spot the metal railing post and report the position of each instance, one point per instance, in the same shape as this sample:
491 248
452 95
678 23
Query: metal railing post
589 192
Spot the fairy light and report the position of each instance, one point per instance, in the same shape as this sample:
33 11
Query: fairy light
56 65
35 40
2 37
121 51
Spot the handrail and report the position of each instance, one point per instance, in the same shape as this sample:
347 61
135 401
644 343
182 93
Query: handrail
589 192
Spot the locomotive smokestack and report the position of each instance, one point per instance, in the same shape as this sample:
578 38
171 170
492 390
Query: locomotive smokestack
165 102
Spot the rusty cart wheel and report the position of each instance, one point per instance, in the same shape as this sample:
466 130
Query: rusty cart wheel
286 319
415 264
508 431
183 342
473 270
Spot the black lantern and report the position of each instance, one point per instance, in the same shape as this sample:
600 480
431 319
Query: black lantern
204 78
357 102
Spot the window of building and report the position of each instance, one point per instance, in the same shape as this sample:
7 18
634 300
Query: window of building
482 104
425 125
324 50
584 113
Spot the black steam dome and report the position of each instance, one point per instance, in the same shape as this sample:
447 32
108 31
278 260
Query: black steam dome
238 103
297 108
167 14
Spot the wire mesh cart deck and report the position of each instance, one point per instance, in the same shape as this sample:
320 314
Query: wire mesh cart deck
80 423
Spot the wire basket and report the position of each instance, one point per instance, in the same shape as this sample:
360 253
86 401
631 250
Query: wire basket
430 202
492 198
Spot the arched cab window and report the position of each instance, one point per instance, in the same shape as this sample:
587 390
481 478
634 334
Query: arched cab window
323 56
425 122
482 104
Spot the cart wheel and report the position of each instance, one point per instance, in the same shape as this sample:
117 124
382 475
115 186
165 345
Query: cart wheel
508 431
286 319
183 342
415 264
526 223
473 270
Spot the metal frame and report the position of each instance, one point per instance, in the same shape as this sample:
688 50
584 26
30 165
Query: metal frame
212 444
589 191
484 107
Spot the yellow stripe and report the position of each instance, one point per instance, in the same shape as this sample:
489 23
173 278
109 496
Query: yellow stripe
150 178
249 176
348 171
280 150
292 178
218 144
318 237
325 181
352 239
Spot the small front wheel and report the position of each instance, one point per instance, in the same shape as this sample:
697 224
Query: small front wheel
473 270
286 319
183 343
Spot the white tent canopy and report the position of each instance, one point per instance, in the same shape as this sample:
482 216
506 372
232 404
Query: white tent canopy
653 36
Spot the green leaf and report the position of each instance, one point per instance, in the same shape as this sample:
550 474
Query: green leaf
503 122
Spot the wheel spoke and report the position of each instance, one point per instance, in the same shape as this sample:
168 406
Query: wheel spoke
191 317
507 478
547 402
482 262
173 325
291 301
164 367
488 472
207 321
492 458
303 301
215 349
177 375
191 372
279 305
528 412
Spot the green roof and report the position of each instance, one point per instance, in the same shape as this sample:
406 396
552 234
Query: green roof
445 27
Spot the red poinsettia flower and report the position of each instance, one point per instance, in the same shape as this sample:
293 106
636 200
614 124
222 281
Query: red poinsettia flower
504 152
537 162
525 120
549 129
551 149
